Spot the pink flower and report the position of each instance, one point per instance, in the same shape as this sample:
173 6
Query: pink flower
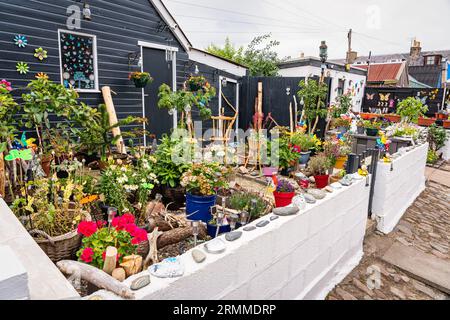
120 223
87 228
6 84
128 218
87 255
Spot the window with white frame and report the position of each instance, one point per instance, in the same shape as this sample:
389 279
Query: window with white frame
430 60
78 60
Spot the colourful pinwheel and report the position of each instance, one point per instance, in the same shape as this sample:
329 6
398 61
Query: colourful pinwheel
20 41
40 53
22 67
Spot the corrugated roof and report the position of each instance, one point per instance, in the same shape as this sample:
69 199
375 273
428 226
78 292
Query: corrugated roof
383 72
430 75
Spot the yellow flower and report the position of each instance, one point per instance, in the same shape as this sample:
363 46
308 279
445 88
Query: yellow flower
42 75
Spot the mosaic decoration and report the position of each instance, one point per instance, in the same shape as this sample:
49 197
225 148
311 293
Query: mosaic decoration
42 75
20 41
40 53
78 61
22 67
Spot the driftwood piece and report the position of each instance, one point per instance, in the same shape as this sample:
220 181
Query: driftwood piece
95 276
110 260
152 256
177 235
132 264
106 91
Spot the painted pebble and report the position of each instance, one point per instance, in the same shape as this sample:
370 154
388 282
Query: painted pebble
286 211
198 256
233 236
250 228
140 283
263 223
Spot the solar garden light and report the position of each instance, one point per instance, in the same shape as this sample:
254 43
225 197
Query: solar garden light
112 212
233 220
195 231
244 217
219 221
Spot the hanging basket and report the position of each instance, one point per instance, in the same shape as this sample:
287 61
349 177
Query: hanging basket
63 247
141 83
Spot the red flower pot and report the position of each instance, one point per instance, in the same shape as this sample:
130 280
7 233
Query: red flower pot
321 181
446 124
283 199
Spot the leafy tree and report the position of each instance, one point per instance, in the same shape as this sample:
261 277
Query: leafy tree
259 57
313 94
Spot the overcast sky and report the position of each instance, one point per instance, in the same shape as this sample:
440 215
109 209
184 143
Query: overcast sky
381 26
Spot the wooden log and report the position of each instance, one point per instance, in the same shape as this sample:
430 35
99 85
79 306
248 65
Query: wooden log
132 264
113 118
119 274
291 119
110 260
95 276
177 235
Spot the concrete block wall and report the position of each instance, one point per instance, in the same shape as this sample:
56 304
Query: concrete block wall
298 257
396 190
446 148
13 276
45 282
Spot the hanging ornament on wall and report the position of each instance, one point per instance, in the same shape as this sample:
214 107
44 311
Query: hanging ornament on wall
22 67
20 41
40 53
42 75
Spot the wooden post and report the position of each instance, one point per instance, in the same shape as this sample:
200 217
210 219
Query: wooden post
113 118
110 260
291 118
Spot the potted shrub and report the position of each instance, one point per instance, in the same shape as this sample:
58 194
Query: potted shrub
342 124
337 150
410 109
283 193
305 142
201 182
123 234
51 211
140 79
372 127
287 154
319 166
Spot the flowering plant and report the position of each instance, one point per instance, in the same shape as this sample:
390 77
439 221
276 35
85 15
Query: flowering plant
123 234
284 186
205 178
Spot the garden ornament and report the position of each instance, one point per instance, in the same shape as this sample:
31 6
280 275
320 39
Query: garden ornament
215 246
15 154
20 41
168 268
22 67
40 53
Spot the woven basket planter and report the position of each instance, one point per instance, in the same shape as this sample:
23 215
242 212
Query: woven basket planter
61 247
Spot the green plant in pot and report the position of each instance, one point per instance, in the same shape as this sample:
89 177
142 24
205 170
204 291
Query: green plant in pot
306 142
248 202
342 124
372 127
283 194
140 79
410 109
201 181
286 153
319 166
360 126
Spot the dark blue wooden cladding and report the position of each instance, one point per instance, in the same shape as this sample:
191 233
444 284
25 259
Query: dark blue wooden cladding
118 25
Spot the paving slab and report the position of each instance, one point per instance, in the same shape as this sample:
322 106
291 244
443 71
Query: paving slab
421 266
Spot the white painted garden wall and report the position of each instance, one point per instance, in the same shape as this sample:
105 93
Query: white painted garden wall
297 257
396 190
446 148
32 268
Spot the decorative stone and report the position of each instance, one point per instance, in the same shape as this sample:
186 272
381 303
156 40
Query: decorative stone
215 246
299 202
119 274
285 211
356 176
317 194
243 170
233 236
309 198
312 179
198 256
168 268
300 175
250 228
262 224
328 189
254 173
140 283
345 182
272 218
336 186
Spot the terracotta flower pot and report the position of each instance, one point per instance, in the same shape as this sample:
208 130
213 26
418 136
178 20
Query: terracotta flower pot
446 124
340 162
334 179
321 181
441 116
283 199
426 121
392 117
368 116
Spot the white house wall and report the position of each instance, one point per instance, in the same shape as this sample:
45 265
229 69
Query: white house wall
358 81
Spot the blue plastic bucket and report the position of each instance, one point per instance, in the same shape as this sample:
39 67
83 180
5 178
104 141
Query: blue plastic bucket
212 229
198 207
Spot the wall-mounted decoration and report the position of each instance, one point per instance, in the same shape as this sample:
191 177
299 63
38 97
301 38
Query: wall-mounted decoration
22 67
6 84
20 41
40 53
42 75
78 56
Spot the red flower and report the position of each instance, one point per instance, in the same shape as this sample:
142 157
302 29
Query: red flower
130 228
87 228
128 218
87 255
120 223
140 235
101 224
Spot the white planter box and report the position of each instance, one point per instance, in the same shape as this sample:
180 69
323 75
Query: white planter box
446 148
13 276
297 257
396 190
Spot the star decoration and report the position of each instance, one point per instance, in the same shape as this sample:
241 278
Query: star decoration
42 75
41 54
22 67
21 41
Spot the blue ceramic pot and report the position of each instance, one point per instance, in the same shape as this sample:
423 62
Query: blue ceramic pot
198 207
304 157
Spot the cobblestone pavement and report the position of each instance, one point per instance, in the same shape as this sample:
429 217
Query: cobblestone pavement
425 226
